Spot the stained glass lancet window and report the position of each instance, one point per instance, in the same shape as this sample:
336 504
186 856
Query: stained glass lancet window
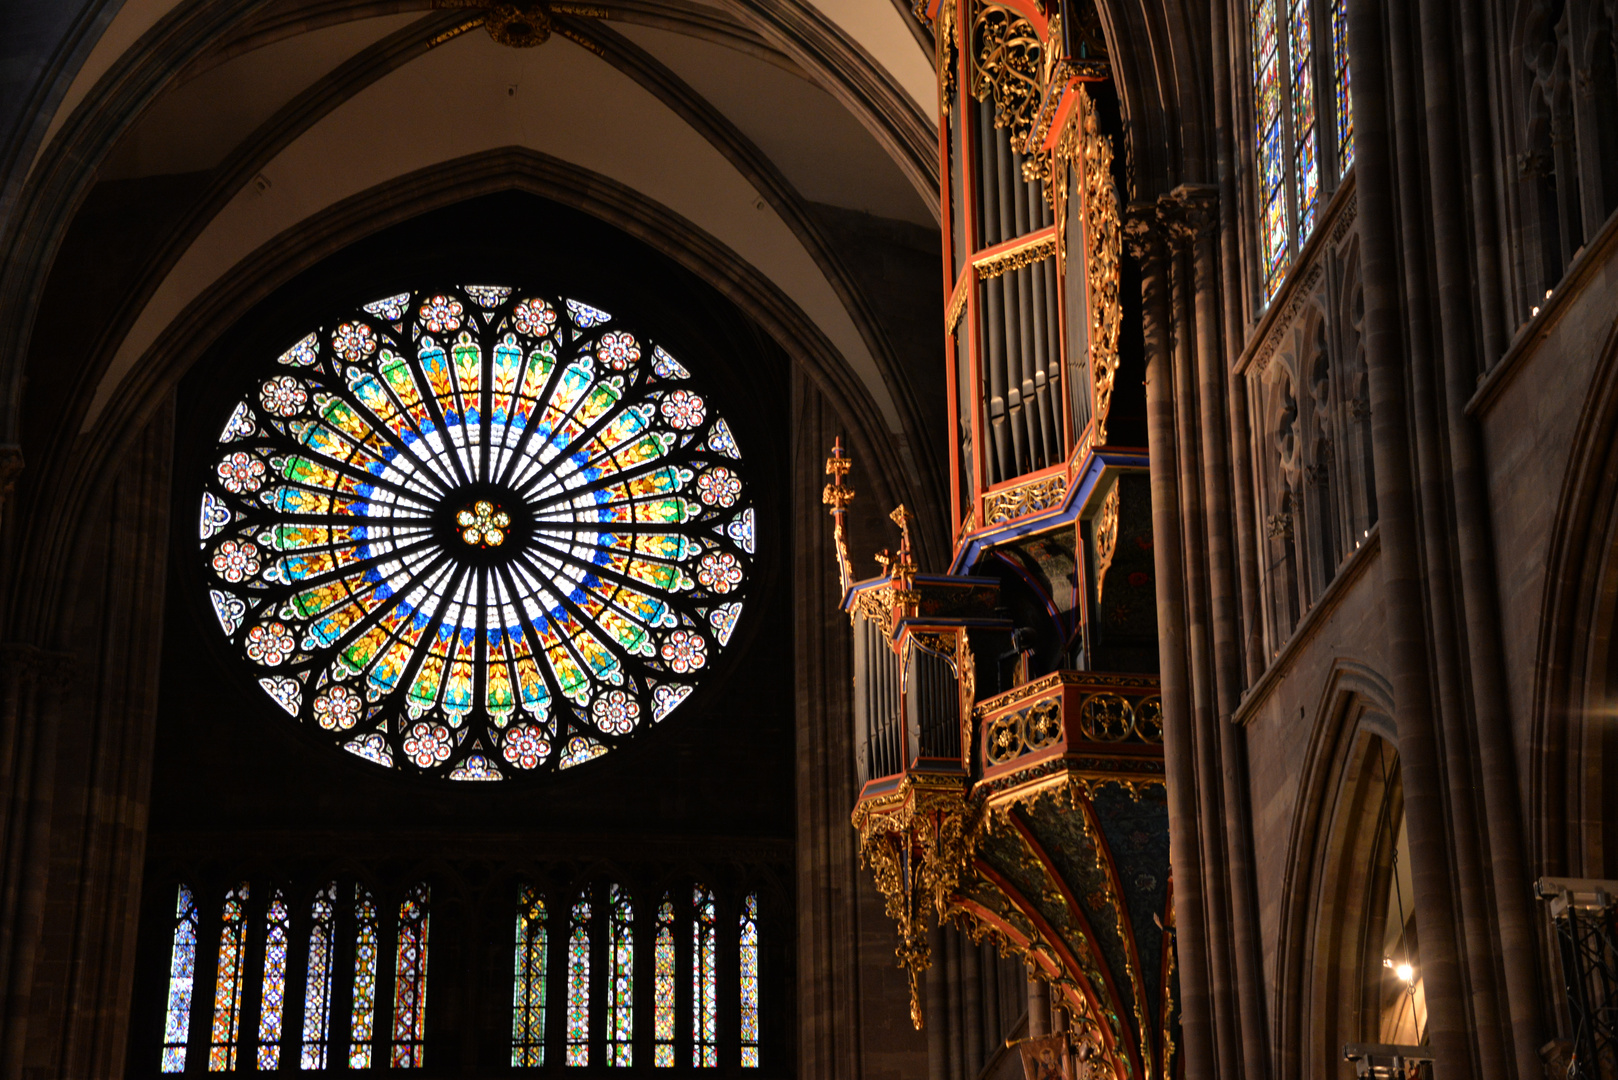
1340 86
663 977
272 996
410 979
749 981
1270 134
476 532
528 981
317 986
227 996
1294 119
367 945
1305 148
182 978
621 955
704 996
578 983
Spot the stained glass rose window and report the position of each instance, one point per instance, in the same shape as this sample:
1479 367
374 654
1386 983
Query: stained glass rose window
476 532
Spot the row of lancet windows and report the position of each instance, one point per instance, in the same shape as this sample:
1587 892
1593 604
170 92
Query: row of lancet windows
1293 124
332 1041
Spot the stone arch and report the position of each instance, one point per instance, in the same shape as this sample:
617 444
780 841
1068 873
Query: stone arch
1335 869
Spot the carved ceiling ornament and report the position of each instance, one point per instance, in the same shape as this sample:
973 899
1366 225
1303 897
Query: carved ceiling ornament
1007 62
520 24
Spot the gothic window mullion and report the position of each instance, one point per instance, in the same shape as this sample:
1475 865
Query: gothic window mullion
299 925
386 961
252 976
205 979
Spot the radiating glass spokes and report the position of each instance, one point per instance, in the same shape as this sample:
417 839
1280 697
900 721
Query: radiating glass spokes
475 533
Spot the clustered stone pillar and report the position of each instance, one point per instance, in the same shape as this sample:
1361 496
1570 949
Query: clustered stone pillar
31 684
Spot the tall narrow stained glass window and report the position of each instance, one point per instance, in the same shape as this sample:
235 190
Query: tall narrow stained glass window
663 977
528 981
317 987
704 992
410 979
578 983
749 981
182 979
1305 150
367 946
272 996
1294 120
227 995
1340 86
1270 134
475 533
621 955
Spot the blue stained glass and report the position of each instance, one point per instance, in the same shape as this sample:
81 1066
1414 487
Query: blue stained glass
749 987
1268 133
182 976
272 997
317 987
1303 116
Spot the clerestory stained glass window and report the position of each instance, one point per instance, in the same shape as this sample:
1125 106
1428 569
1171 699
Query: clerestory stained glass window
704 996
621 955
317 987
227 996
476 532
410 979
578 983
272 998
663 977
528 981
749 981
367 945
1294 121
182 978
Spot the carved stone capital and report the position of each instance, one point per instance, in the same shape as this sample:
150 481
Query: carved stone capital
1144 233
1198 206
1280 526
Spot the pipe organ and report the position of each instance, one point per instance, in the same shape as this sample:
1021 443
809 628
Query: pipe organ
1008 728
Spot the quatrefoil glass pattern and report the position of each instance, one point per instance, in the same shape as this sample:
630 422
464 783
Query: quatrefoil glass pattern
475 532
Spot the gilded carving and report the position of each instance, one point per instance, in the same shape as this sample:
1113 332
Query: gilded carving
1024 499
918 845
957 305
837 496
520 24
1006 66
1106 717
1106 537
1103 246
946 53
1025 254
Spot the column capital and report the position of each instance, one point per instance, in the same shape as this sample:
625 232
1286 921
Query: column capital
1144 234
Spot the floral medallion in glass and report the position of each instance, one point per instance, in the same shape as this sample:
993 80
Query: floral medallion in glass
476 532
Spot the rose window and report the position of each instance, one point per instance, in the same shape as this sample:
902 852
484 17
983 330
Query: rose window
476 532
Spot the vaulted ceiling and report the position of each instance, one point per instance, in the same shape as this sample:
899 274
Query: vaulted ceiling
792 141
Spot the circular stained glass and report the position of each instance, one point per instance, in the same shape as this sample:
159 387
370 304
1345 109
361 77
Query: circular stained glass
476 532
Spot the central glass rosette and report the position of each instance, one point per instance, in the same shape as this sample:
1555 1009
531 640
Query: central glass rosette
476 532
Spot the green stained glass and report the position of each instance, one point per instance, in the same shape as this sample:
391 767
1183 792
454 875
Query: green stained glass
621 951
578 984
704 998
528 981
476 533
182 978
749 981
227 998
272 998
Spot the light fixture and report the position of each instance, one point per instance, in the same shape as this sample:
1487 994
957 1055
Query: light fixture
1405 972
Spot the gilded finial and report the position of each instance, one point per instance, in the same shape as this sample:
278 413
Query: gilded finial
837 495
